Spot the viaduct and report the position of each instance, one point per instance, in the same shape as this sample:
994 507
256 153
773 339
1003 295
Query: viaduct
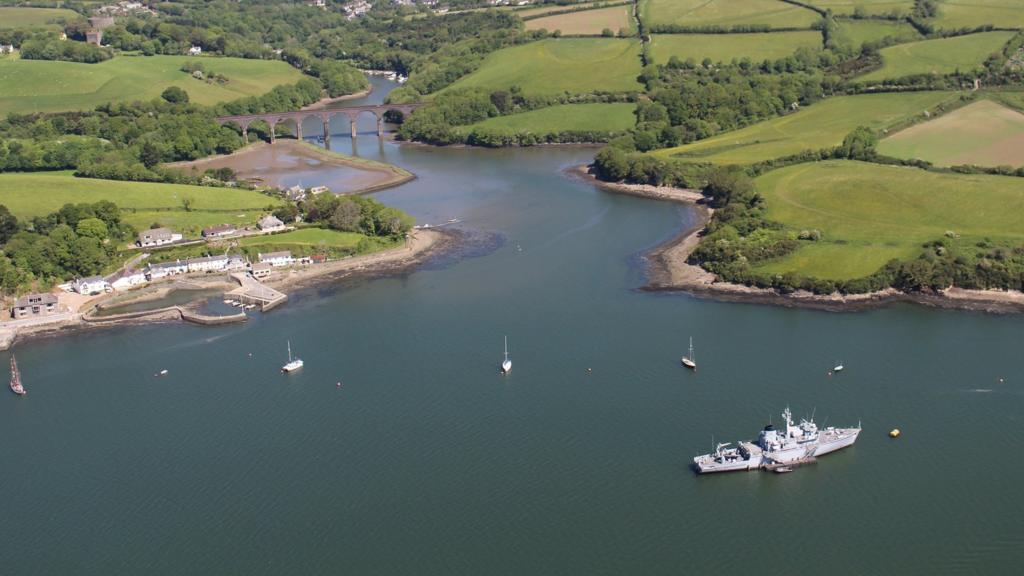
324 114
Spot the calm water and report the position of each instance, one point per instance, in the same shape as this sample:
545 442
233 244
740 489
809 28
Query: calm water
426 461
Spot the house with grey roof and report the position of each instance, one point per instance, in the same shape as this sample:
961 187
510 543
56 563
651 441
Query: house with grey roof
32 305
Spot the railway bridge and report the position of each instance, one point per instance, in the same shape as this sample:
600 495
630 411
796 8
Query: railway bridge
324 114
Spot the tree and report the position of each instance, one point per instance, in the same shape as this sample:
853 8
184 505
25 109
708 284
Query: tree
187 202
286 213
150 154
8 224
607 33
92 228
175 95
346 216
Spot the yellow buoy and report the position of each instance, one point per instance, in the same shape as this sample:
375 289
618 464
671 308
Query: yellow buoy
894 433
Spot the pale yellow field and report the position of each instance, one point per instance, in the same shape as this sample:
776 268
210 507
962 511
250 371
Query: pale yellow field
585 22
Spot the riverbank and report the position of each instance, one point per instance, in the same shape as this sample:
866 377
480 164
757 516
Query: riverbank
325 102
285 161
668 269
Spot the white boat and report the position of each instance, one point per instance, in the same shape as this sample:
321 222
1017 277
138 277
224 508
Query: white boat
838 367
689 360
228 301
293 364
506 366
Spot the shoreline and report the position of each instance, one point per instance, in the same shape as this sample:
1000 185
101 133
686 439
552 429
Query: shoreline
668 270
423 244
390 175
327 101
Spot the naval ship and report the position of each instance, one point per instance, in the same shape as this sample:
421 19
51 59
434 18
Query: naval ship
778 449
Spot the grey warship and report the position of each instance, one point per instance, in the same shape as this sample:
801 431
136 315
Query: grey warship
778 449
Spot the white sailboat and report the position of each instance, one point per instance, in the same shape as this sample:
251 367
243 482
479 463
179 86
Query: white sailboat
292 365
689 360
506 366
838 367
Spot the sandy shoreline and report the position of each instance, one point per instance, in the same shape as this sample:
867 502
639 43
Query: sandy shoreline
669 271
249 163
325 102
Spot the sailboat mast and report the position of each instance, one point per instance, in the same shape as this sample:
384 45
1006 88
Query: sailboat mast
691 347
289 351
506 347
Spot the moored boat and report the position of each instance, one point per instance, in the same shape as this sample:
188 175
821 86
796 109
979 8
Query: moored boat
689 361
506 365
293 364
16 385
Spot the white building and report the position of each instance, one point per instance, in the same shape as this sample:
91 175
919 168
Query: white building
317 190
157 237
236 262
129 280
283 258
219 231
91 285
207 263
270 223
261 270
163 269
6 48
195 51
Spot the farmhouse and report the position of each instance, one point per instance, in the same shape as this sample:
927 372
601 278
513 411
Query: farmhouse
94 36
282 258
195 51
207 263
156 271
270 223
157 237
6 48
261 270
219 231
91 285
34 305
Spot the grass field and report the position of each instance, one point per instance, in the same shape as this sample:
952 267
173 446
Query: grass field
955 14
726 13
939 56
872 7
143 203
581 117
869 214
585 22
50 86
815 127
725 47
34 17
857 32
307 237
982 133
576 65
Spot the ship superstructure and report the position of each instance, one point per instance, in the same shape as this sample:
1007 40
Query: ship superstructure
796 444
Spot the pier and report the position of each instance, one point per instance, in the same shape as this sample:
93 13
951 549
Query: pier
251 291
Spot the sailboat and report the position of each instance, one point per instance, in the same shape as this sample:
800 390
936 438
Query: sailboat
292 365
16 386
506 366
688 360
838 367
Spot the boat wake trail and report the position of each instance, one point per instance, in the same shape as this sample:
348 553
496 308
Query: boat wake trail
590 223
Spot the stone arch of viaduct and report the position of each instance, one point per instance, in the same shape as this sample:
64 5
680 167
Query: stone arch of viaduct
352 113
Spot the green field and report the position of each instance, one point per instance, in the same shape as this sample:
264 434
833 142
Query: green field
143 203
982 133
939 56
34 17
725 47
552 66
566 117
50 86
869 214
307 237
872 7
818 126
586 22
726 13
955 14
534 12
857 32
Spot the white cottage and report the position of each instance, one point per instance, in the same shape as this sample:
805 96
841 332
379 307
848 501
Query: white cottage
282 258
91 285
207 263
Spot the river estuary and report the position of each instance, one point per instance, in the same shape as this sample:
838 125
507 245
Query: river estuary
426 461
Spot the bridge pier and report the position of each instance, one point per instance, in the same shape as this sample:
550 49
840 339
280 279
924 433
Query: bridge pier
273 134
327 133
352 127
298 129
245 134
380 126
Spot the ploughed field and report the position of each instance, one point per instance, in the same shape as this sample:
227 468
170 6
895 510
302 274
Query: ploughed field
983 133
938 56
563 118
957 14
869 7
18 17
725 47
869 214
818 126
556 65
51 86
142 203
725 13
587 22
